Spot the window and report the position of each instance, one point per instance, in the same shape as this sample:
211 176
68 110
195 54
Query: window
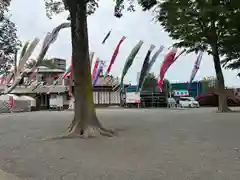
184 99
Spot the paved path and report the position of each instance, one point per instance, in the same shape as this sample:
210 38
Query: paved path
153 144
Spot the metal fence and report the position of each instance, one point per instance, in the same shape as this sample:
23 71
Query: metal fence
106 98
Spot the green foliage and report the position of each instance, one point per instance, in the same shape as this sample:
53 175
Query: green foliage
54 6
231 43
4 4
196 24
232 52
120 6
9 43
150 83
147 4
58 6
205 84
167 86
209 82
201 25
232 62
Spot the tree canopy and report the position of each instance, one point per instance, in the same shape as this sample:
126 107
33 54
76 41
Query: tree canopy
9 42
57 6
202 25
232 53
151 83
197 24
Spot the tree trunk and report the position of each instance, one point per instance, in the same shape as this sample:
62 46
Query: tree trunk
222 98
84 110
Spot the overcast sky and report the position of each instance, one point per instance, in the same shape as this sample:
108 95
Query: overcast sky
31 21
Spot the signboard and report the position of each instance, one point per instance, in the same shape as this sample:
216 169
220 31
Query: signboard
133 97
181 93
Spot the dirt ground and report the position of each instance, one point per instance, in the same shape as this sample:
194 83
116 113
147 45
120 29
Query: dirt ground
152 144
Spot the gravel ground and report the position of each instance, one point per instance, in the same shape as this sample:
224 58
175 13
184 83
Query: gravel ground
153 144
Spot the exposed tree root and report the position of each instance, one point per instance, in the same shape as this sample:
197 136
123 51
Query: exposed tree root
71 126
63 136
111 131
90 132
78 130
224 110
107 132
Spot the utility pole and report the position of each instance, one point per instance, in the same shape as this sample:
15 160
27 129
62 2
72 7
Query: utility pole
15 66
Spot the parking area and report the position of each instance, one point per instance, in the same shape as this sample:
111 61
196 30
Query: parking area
153 144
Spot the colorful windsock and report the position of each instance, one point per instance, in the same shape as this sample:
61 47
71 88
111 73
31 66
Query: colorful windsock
144 68
196 67
106 37
114 56
130 60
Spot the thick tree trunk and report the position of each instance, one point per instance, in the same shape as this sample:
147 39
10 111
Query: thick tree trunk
222 98
84 110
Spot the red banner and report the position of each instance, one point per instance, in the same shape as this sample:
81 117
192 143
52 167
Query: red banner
114 56
95 69
168 61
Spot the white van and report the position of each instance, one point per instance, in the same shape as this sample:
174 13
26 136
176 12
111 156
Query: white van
188 102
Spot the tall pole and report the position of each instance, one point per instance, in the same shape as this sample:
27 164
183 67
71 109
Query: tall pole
15 66
197 87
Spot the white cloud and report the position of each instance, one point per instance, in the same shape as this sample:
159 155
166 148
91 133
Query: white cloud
32 22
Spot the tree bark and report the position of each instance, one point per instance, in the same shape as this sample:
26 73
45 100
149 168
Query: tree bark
85 122
222 97
84 110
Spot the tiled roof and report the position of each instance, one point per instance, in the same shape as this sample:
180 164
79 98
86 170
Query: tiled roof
107 81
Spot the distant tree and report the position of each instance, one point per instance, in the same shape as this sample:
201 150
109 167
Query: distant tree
167 87
206 83
150 83
200 26
9 43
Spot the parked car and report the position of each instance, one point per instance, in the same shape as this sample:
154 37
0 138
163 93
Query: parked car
172 102
211 99
188 102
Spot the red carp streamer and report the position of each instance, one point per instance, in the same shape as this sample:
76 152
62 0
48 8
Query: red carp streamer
169 59
95 69
114 56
